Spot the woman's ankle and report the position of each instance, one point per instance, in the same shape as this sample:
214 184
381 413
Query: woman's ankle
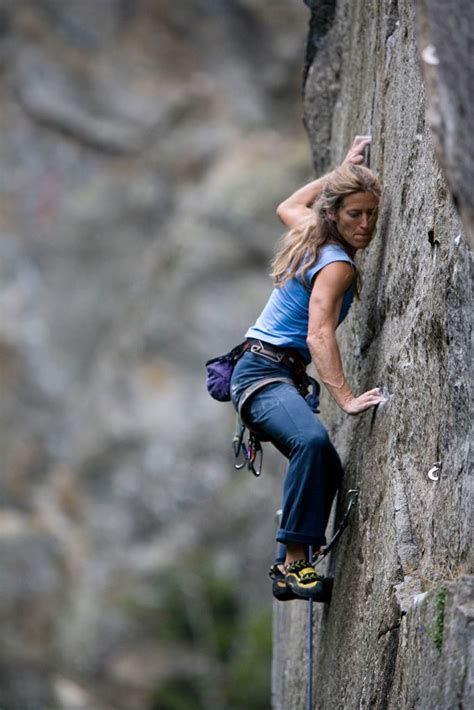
295 553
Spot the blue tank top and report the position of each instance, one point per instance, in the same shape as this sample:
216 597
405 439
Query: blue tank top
284 320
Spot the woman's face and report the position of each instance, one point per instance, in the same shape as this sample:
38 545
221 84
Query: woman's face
355 219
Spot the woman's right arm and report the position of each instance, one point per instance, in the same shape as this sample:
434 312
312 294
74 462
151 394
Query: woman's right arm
297 207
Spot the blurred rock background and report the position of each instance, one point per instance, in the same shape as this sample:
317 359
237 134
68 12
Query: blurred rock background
144 146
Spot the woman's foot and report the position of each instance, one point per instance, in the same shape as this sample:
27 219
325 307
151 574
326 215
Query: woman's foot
308 586
303 581
280 589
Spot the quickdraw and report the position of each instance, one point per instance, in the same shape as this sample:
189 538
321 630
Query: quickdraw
351 496
247 453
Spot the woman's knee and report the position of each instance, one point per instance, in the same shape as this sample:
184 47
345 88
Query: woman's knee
313 440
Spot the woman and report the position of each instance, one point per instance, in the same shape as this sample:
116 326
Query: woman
314 276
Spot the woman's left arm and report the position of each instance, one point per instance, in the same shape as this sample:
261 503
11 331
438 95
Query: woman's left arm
324 310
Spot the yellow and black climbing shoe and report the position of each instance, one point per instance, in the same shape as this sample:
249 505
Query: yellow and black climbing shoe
304 583
280 589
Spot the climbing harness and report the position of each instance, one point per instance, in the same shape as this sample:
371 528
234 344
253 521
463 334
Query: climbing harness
306 385
286 356
219 374
248 450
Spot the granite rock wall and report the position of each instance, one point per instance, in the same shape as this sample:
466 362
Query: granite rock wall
398 631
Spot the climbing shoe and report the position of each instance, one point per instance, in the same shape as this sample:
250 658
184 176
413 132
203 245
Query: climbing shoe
282 591
304 583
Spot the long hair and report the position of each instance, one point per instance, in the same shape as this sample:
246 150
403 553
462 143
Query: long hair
300 246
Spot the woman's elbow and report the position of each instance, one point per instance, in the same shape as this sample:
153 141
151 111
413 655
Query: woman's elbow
312 341
282 212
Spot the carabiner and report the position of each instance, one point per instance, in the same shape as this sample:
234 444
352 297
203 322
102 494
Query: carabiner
238 447
254 449
352 495
246 453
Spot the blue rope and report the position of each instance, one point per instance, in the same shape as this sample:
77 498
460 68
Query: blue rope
309 703
352 494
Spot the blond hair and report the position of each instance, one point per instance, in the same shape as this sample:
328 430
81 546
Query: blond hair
300 246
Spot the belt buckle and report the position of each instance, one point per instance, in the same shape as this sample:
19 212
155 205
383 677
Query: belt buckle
256 347
259 349
273 354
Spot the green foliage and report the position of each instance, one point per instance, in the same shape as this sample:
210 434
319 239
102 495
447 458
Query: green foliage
248 678
203 611
164 613
225 612
439 620
176 694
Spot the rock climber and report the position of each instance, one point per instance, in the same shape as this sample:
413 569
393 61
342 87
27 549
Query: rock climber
314 275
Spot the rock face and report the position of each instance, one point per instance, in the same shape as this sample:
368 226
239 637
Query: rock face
398 632
444 34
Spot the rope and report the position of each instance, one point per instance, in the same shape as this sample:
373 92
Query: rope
309 702
352 495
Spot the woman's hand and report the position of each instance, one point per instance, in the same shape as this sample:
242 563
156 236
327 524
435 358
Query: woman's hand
356 151
357 405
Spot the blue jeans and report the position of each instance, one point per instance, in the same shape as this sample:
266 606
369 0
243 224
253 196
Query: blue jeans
279 413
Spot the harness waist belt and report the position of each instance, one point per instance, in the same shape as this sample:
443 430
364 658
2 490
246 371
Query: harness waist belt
286 356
